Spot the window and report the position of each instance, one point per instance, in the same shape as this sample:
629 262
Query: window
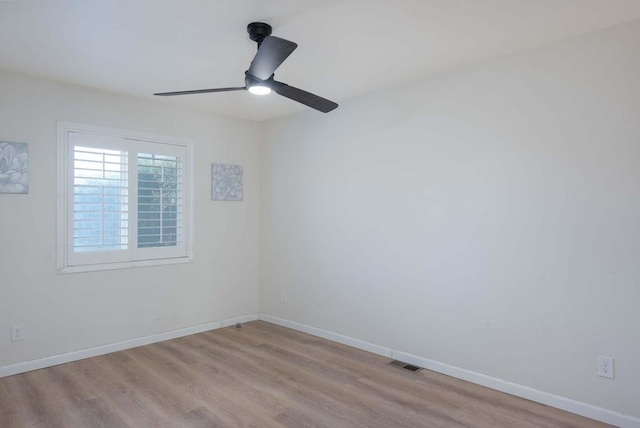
124 199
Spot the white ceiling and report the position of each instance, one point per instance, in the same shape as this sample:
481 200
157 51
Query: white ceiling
346 47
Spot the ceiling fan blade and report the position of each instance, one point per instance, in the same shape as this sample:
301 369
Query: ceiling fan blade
200 91
272 52
304 97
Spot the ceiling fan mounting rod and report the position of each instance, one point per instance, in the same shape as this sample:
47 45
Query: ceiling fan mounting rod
258 31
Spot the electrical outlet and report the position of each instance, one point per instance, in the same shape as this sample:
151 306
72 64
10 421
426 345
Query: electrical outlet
283 296
605 367
17 332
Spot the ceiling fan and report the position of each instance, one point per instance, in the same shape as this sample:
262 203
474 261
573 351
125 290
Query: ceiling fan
258 79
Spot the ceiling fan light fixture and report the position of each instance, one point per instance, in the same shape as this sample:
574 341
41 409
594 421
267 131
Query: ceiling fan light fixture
260 90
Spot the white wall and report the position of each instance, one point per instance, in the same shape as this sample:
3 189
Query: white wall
62 313
487 218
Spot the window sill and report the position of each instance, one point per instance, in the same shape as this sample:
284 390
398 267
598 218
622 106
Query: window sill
123 265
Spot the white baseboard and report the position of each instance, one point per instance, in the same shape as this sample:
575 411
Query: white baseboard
552 400
242 319
329 335
68 357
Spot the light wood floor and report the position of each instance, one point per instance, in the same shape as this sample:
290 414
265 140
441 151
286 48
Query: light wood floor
258 376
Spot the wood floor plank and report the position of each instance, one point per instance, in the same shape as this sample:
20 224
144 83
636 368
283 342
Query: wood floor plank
259 372
132 407
271 390
35 403
262 376
203 388
289 381
9 414
96 413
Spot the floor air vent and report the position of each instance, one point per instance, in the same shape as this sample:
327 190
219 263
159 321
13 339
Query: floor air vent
406 366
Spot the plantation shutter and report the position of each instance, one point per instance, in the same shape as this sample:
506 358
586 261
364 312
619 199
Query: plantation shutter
99 199
160 200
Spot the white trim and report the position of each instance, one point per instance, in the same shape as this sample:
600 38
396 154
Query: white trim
241 319
125 265
64 225
61 209
123 133
552 400
68 357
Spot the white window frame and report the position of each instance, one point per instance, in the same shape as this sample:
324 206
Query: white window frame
65 203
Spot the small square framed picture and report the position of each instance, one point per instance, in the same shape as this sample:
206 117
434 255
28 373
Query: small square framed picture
14 167
226 182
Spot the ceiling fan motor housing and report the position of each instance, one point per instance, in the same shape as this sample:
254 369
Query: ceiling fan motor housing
258 31
250 80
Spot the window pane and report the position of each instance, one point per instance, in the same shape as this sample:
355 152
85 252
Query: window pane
100 201
159 200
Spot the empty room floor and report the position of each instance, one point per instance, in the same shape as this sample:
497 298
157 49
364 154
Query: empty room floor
261 375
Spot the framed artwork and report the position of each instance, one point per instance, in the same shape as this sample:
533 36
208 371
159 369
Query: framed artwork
14 167
226 182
